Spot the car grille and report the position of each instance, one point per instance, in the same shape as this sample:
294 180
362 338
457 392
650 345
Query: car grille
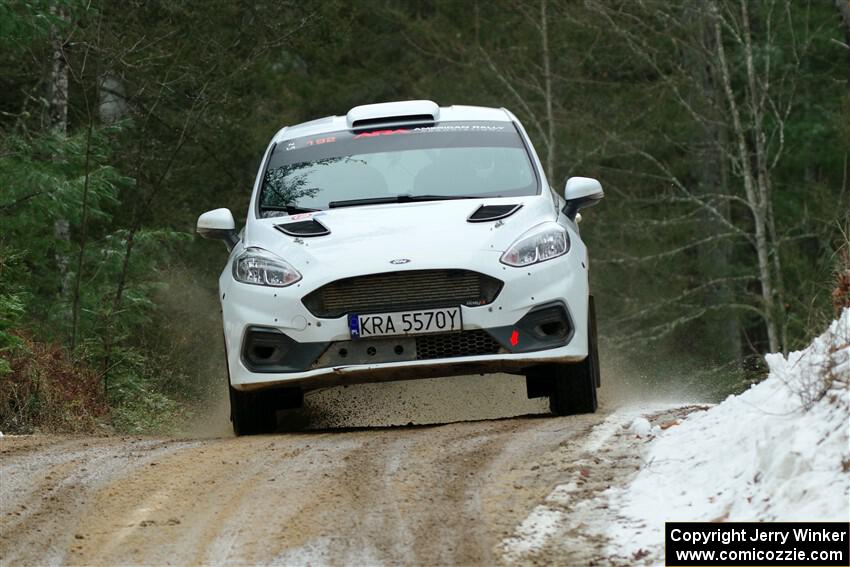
402 291
448 345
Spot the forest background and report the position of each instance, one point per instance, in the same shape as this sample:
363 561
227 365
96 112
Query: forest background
720 130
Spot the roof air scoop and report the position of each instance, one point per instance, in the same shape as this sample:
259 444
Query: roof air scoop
393 114
305 228
487 213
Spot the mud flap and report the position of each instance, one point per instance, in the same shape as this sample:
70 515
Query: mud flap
285 398
538 385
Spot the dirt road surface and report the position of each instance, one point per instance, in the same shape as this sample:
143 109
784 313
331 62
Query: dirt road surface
460 485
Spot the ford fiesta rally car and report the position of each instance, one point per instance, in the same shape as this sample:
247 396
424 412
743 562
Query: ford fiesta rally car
405 240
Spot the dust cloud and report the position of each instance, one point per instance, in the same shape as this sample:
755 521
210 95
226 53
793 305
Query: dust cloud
653 377
422 402
626 381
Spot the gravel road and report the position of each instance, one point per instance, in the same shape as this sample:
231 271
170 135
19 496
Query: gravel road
456 486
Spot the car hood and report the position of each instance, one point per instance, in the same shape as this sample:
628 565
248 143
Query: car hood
375 238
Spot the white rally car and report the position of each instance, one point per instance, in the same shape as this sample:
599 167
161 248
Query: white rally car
405 240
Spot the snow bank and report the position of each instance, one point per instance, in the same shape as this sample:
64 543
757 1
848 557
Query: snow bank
779 451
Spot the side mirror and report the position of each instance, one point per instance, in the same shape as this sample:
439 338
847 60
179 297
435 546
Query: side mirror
218 225
580 193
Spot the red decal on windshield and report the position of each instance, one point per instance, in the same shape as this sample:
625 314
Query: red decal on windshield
381 133
318 141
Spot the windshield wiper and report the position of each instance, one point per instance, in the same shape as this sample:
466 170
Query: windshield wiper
291 209
396 199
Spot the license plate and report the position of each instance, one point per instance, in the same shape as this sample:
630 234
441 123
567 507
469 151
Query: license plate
405 323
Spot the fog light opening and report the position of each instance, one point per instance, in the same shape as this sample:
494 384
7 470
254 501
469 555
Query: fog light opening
553 328
263 352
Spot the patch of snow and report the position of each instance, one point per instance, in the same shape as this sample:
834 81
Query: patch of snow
603 432
313 552
778 451
549 520
623 418
319 551
562 495
532 534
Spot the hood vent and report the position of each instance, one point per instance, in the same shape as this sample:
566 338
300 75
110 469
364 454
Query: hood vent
487 213
305 228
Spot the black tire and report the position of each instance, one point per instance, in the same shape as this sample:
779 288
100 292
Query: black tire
574 385
252 413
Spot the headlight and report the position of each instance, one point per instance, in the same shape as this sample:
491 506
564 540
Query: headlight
539 244
259 267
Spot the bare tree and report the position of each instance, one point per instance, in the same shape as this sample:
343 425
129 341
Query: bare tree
750 138
522 72
58 120
523 83
745 117
844 12
58 84
87 172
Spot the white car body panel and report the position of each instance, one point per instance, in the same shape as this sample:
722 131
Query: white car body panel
429 235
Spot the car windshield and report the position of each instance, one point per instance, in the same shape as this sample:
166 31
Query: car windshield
450 160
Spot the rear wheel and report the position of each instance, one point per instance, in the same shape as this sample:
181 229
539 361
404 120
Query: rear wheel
252 413
574 385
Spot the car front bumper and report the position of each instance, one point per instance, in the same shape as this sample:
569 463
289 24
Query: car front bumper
273 340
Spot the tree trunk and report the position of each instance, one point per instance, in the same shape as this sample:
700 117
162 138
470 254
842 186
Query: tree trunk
112 106
712 185
58 119
755 195
75 310
756 95
58 96
844 11
84 220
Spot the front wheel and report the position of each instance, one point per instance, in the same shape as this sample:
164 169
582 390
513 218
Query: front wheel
252 413
574 385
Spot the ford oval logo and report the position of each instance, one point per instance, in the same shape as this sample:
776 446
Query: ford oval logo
400 261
